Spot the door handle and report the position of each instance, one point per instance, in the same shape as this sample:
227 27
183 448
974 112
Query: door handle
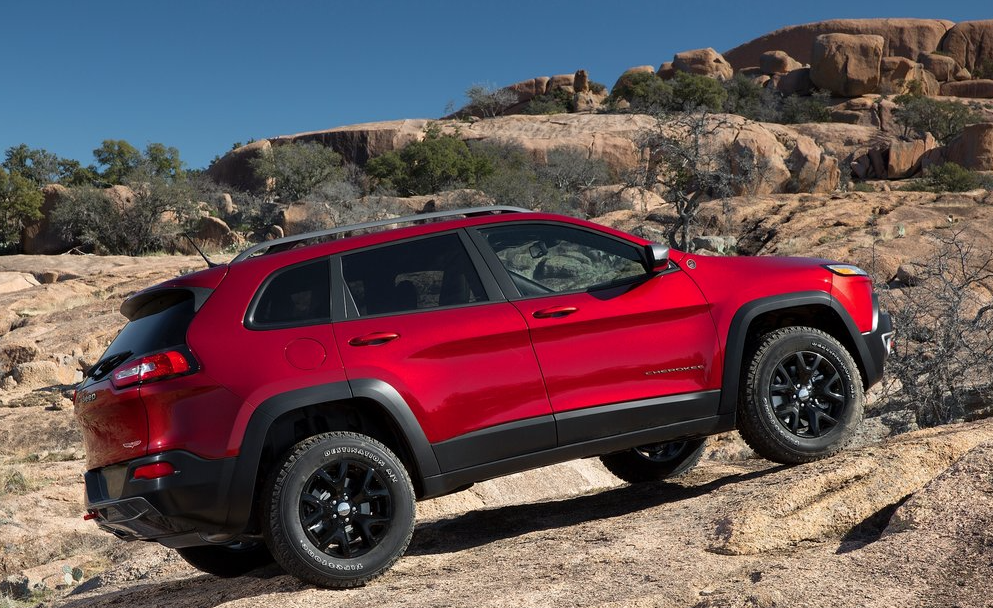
374 339
554 312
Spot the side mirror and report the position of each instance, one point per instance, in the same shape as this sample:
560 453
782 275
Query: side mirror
658 257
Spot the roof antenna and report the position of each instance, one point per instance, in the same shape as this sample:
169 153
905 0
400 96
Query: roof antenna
200 251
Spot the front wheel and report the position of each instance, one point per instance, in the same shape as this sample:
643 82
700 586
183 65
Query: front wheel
655 462
339 511
802 399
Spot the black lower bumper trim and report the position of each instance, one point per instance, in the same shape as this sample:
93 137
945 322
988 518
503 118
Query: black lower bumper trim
193 498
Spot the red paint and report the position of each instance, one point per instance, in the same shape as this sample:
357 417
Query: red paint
460 369
305 354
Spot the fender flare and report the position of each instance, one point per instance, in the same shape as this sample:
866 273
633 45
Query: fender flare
734 348
243 480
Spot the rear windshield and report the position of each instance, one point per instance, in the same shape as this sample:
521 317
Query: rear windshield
160 324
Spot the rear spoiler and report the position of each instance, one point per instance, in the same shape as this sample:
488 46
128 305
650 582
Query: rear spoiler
156 299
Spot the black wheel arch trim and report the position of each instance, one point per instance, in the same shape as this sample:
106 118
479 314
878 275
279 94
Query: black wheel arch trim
869 361
243 482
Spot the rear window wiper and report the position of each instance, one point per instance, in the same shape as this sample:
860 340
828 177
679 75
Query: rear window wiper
104 366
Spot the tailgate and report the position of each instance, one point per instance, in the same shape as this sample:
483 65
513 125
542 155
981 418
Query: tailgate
114 423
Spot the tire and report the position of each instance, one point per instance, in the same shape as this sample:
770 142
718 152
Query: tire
655 462
339 510
227 561
802 398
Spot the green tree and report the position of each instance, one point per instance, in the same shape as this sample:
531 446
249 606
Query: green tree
435 163
514 179
645 92
39 166
20 202
118 158
695 91
943 119
163 161
294 170
42 167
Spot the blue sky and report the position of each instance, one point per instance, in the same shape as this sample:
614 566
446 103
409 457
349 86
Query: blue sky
200 75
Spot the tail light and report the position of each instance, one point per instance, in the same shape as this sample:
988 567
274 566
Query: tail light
152 367
153 471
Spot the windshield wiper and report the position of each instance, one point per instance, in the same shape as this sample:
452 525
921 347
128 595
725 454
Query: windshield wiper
103 367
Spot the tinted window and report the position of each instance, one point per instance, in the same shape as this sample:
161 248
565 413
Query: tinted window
544 259
298 295
421 274
160 324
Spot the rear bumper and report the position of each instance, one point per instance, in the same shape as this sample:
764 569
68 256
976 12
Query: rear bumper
193 499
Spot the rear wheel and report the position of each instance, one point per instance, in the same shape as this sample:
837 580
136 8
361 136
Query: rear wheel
339 510
802 399
655 462
227 561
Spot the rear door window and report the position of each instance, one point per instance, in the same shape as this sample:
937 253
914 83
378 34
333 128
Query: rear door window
294 296
426 273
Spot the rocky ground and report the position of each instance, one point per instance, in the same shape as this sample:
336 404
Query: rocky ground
902 519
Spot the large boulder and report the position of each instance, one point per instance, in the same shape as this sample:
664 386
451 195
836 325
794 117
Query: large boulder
706 62
902 37
905 158
846 64
973 149
978 89
970 43
41 237
527 90
943 67
625 78
358 143
795 82
235 168
16 281
777 62
897 73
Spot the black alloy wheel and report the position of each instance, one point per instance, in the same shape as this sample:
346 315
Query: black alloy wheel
346 508
808 396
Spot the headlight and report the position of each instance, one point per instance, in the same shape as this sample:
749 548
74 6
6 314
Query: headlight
846 270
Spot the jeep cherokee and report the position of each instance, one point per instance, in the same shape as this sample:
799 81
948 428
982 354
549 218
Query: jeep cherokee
295 402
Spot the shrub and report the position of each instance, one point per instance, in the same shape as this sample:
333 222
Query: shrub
556 102
20 202
514 178
436 163
694 91
983 69
597 87
945 120
645 92
950 177
294 170
488 101
798 110
93 217
745 98
944 355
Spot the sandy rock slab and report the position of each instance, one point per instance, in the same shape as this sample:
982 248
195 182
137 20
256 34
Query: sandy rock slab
828 499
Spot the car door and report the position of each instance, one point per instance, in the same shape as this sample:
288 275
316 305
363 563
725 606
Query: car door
607 332
420 316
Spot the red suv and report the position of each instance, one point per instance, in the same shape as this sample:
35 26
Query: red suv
294 403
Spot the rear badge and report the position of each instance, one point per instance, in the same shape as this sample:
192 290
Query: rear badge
87 397
132 444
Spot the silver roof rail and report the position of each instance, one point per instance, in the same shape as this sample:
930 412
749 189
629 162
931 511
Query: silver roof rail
286 241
